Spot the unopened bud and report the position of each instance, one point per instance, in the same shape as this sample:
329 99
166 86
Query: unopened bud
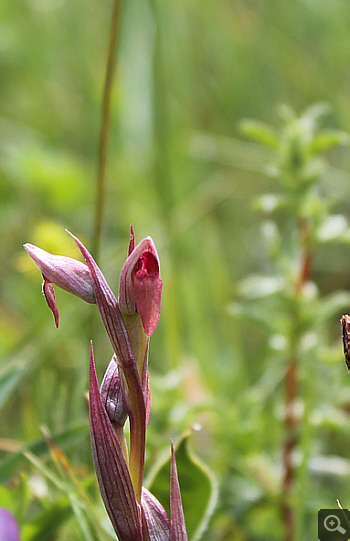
112 395
140 285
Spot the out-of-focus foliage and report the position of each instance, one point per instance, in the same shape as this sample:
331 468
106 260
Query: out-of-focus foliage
180 170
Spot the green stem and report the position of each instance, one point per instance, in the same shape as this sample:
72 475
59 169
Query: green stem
122 440
161 124
137 418
104 131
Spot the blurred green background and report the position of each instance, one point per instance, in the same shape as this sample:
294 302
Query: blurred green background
180 170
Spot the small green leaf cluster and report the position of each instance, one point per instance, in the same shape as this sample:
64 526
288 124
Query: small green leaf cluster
298 145
297 220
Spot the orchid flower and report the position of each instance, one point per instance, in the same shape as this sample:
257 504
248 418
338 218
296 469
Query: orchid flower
130 320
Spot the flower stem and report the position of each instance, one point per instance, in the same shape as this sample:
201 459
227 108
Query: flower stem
291 386
122 440
104 130
137 428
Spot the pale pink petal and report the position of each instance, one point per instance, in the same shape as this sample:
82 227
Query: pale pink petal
65 272
148 291
140 286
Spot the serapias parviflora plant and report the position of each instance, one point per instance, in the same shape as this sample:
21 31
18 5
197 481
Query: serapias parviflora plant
135 513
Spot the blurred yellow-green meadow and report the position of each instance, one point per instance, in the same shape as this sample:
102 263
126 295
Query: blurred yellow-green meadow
250 220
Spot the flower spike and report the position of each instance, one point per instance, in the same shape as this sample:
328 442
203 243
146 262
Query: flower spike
135 513
118 335
111 469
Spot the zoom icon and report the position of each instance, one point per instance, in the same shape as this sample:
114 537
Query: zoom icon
333 525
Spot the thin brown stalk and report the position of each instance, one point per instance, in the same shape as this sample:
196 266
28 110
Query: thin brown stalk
291 393
104 130
291 387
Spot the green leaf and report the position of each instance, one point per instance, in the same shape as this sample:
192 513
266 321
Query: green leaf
260 318
75 492
9 379
65 439
269 202
260 132
45 526
333 304
315 112
198 488
328 139
8 499
332 227
44 470
257 286
286 113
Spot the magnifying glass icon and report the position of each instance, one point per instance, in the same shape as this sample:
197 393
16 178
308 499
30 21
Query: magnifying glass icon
332 524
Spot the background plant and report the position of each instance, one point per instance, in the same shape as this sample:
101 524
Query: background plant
180 171
285 304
